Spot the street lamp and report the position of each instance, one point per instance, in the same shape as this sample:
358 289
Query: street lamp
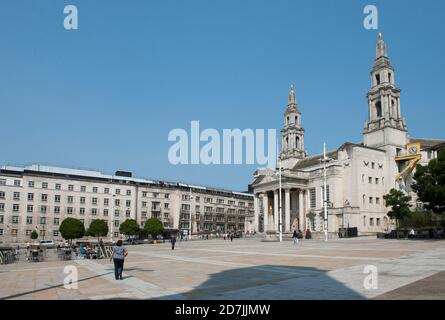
190 216
280 224
325 201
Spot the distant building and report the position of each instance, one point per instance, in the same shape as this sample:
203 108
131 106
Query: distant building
358 175
40 198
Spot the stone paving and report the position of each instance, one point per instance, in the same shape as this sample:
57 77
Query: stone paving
243 269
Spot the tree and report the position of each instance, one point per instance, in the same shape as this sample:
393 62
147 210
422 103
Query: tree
153 227
430 184
399 204
34 235
72 228
129 227
98 228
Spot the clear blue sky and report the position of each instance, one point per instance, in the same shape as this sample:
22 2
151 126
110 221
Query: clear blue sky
105 96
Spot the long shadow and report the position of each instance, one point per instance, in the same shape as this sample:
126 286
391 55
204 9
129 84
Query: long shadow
50 287
269 282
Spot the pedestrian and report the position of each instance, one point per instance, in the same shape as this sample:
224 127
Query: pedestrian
231 237
295 237
118 257
173 241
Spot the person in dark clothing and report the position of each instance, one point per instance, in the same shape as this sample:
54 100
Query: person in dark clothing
295 237
231 237
173 241
118 257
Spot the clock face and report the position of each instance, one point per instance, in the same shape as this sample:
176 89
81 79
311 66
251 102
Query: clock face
413 150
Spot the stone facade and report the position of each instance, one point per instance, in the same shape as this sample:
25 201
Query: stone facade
39 198
358 175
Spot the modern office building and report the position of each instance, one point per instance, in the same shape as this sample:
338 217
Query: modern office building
40 197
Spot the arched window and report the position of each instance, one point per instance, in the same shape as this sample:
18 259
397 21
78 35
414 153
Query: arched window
389 77
287 120
378 109
287 142
377 78
296 119
297 142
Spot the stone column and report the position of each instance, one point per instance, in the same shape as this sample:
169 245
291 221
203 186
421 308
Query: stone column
256 212
276 210
301 211
287 210
265 211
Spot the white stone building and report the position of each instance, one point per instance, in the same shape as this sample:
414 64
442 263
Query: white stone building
40 197
358 174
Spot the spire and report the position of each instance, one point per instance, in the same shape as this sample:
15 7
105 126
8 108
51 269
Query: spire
292 99
380 50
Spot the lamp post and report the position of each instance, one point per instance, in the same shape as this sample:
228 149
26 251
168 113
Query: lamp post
325 200
190 217
112 218
280 223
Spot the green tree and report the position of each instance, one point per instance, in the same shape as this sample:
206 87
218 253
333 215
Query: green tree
430 184
399 204
34 235
153 227
72 228
129 227
98 228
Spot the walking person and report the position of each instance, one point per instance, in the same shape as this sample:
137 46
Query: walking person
173 241
231 237
295 237
118 257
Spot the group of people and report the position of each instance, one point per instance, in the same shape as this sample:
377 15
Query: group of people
297 235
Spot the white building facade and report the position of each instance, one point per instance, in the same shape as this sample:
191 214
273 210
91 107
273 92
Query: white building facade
40 198
358 175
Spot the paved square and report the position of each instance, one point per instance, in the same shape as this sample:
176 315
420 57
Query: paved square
243 269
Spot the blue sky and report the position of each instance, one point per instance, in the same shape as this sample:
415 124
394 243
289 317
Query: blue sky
106 96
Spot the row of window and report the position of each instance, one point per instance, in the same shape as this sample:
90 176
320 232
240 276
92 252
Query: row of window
186 197
373 165
372 180
68 210
42 233
313 196
371 222
371 200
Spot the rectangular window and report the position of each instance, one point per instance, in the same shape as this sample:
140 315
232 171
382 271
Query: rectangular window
58 186
128 203
327 194
31 184
2 194
116 223
82 211
28 232
106 202
44 185
372 165
15 207
71 187
105 212
83 189
128 192
117 202
28 220
16 196
371 222
94 201
107 190
82 200
118 191
15 219
370 200
1 232
128 213
155 194
377 200
94 189
144 204
377 222
14 232
56 221
166 206
2 219
167 195
117 213
42 220
44 197
30 208
144 194
312 198
116 234
56 210
55 233
94 212
376 180
57 198
30 196
2 182
2 207
69 210
370 179
70 199
17 183
43 209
